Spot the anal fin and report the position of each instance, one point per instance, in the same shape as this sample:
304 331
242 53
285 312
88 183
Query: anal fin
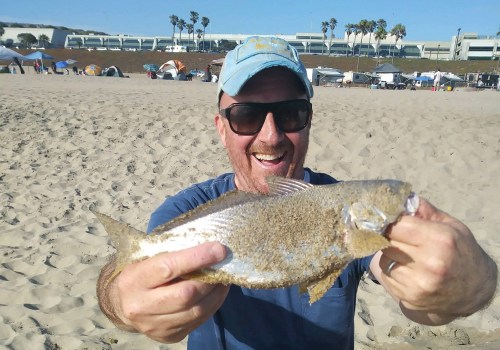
318 288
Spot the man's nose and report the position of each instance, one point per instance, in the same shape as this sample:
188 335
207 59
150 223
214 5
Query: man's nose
270 133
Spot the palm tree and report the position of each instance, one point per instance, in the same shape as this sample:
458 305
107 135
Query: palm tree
348 31
371 28
194 18
380 34
204 22
44 39
381 23
363 29
399 31
381 26
181 24
355 31
333 24
199 34
190 29
173 21
324 29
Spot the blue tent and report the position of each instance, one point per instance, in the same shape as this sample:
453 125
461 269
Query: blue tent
424 78
38 55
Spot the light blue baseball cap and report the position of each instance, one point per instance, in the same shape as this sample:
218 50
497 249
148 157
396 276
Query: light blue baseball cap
255 54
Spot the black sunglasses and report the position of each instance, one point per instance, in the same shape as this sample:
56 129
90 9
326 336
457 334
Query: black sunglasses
248 118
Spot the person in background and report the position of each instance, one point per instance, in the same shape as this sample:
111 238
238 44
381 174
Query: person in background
434 269
208 74
437 80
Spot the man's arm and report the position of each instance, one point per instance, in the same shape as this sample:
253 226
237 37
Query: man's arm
441 272
152 298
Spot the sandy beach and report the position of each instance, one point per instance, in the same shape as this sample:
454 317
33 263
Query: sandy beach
71 144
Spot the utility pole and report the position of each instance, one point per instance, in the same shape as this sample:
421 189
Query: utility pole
437 56
456 44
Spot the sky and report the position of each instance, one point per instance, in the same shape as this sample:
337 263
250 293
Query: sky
429 20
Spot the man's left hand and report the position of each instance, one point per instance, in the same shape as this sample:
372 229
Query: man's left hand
440 271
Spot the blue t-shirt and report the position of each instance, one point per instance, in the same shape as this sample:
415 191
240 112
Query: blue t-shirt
277 318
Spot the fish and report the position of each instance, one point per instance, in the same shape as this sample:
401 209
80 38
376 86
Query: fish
297 234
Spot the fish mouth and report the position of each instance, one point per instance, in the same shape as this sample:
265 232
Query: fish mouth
269 158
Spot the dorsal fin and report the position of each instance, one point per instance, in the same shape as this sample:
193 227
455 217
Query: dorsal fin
228 199
280 186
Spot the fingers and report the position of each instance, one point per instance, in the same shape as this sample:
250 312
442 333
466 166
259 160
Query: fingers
166 267
151 297
177 296
166 325
414 230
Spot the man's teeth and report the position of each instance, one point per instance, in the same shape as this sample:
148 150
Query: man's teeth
268 156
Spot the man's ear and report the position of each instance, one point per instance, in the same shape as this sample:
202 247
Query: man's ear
221 128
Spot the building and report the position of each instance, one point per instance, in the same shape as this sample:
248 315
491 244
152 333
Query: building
471 46
57 37
465 46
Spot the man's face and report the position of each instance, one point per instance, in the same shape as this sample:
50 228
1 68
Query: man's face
270 151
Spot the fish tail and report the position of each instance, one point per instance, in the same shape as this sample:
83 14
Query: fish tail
361 243
124 238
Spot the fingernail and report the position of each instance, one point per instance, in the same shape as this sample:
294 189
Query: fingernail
218 251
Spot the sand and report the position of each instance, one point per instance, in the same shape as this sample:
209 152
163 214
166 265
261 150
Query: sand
69 144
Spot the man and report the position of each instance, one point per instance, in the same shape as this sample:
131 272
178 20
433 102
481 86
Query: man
437 80
434 268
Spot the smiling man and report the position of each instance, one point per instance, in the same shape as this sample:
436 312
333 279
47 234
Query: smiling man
434 268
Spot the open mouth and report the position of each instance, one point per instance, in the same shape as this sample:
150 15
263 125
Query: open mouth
269 158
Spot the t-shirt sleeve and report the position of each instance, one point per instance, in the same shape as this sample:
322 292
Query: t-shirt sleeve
170 209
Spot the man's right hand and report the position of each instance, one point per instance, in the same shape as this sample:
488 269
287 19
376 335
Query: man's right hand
152 298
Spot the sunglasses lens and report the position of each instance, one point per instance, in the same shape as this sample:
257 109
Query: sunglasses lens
292 116
246 119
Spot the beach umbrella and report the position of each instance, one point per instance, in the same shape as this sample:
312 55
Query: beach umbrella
93 69
61 64
150 67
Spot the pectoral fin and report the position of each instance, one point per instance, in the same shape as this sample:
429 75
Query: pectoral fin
361 243
319 288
